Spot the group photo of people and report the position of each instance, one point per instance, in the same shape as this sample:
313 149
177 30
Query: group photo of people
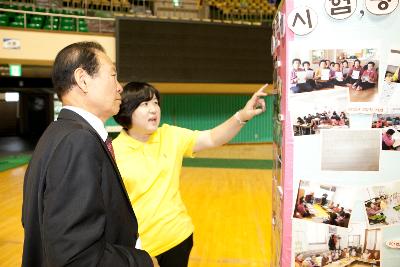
356 69
322 245
326 204
390 125
313 123
383 205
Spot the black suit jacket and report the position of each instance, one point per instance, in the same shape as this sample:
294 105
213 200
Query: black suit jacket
76 211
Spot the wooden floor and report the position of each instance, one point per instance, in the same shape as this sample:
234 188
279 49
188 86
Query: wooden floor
231 210
11 234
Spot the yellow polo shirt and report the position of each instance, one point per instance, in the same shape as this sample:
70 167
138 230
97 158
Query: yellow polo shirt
151 174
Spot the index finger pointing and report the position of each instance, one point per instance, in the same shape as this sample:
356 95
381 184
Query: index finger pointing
263 87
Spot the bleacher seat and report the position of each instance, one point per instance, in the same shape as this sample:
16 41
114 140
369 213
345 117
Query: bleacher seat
95 4
243 10
27 8
105 4
125 5
66 27
33 25
83 29
40 9
79 12
4 17
37 19
49 27
55 11
19 18
3 22
17 24
225 10
116 5
76 3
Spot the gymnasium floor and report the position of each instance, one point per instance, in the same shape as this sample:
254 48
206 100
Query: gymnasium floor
230 205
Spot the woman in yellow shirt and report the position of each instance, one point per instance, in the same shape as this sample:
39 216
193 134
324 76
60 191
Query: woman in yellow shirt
150 157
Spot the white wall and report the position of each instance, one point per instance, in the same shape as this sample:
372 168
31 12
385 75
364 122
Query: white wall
43 46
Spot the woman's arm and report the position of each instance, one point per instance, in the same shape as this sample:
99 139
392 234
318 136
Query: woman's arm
224 132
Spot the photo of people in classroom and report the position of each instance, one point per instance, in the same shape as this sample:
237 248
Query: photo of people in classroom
318 245
323 203
390 125
356 69
315 122
382 204
323 110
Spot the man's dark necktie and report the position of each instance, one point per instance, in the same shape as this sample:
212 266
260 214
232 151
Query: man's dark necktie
109 146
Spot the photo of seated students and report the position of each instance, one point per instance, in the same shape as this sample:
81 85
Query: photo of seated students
368 79
383 205
329 246
298 82
338 68
322 203
362 81
314 123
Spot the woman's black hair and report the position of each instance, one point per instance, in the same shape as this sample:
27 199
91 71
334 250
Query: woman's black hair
133 95
390 132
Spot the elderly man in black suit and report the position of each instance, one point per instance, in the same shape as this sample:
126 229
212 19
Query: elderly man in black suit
76 211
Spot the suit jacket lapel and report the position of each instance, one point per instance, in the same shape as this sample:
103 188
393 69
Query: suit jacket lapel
66 114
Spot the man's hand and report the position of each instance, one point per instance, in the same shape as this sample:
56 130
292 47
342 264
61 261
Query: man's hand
155 262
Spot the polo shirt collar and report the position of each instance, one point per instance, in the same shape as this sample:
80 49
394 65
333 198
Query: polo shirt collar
135 144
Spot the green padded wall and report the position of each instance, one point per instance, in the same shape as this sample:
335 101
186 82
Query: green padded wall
201 112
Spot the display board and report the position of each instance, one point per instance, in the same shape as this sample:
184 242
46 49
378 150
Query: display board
337 185
155 50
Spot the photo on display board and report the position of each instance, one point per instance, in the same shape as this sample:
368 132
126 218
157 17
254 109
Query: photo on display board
308 124
393 67
350 150
322 110
325 69
390 93
390 125
324 203
392 74
382 204
325 245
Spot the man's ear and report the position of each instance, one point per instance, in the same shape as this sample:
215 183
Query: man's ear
80 76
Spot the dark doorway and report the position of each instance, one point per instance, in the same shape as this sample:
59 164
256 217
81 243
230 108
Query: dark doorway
36 113
25 117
